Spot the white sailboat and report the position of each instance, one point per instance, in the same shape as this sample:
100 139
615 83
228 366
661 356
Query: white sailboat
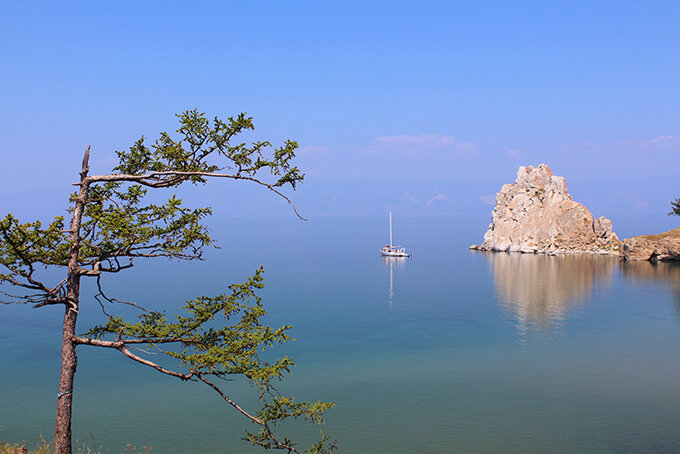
393 251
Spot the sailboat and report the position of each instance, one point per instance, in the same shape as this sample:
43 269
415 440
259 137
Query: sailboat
393 251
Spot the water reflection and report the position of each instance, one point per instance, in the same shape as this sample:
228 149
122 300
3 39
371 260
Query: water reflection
539 291
391 263
660 272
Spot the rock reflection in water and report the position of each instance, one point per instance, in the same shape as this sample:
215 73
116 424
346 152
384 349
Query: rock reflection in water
539 291
667 272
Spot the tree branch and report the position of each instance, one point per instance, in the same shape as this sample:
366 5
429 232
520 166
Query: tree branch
114 300
51 301
120 346
153 180
123 342
229 401
47 297
247 415
32 283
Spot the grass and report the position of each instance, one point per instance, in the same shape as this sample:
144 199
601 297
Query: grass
46 448
670 235
17 448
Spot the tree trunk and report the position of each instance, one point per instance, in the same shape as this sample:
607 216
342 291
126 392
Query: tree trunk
69 360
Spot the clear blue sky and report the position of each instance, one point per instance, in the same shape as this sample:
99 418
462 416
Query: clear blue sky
393 103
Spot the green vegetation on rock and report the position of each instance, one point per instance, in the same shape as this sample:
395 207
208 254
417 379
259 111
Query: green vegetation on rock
675 208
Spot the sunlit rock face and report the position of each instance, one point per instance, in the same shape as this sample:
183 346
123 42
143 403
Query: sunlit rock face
536 214
539 291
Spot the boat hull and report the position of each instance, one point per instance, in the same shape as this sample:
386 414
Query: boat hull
395 254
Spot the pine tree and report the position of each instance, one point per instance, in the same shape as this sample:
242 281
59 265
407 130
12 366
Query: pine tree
113 226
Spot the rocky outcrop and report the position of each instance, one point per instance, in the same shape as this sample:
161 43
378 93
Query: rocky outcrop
661 247
536 214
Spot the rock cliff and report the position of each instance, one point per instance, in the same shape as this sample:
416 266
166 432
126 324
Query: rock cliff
536 214
661 247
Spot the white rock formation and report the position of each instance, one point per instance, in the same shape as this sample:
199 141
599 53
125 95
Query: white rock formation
536 214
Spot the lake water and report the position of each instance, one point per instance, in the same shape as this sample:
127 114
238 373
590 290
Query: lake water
447 351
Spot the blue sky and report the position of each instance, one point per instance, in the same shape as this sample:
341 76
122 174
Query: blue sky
396 105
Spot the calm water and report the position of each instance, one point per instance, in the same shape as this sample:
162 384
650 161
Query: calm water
448 351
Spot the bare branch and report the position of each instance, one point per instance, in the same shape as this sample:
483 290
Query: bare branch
113 300
122 342
167 340
96 298
146 362
28 285
86 162
229 401
7 303
117 267
86 272
120 346
247 415
51 301
54 296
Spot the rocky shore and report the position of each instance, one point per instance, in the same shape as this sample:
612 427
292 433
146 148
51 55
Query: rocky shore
660 247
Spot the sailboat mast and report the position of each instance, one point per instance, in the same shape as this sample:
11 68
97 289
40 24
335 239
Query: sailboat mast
390 229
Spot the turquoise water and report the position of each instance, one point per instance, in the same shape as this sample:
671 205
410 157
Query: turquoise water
448 351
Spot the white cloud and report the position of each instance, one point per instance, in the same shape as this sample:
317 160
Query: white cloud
435 199
312 149
418 145
667 142
663 140
514 152
410 198
488 199
465 145
423 140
